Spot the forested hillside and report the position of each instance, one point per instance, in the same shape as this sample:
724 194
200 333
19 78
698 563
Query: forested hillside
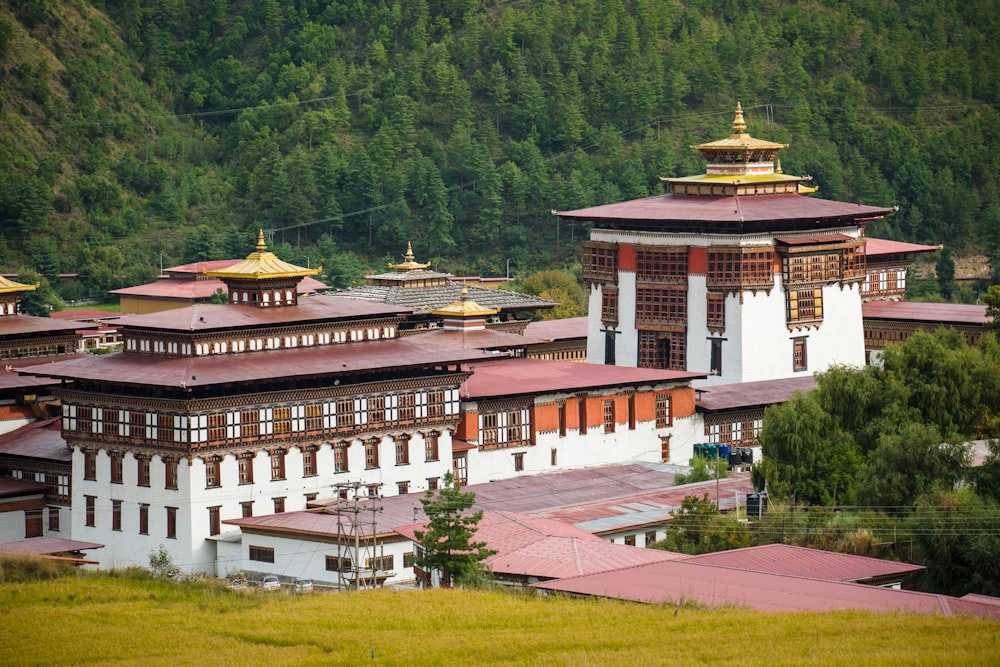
137 132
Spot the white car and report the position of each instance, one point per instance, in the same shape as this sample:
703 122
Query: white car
270 583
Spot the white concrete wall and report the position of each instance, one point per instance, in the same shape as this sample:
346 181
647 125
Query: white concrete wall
12 526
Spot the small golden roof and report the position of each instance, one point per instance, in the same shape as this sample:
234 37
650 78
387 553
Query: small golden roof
262 265
9 286
739 139
465 307
410 264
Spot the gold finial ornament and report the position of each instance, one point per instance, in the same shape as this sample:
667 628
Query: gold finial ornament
410 263
261 246
739 126
777 166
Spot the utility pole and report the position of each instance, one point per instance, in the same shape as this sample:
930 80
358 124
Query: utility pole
358 539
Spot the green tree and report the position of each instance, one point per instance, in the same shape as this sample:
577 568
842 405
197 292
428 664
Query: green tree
703 469
447 547
559 286
42 300
697 528
945 269
992 300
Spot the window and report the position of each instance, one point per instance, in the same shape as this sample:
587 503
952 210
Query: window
261 554
278 464
116 467
214 520
435 404
460 467
282 420
246 468
716 312
90 465
246 509
663 416
631 411
432 483
376 410
249 423
659 264
172 523
562 420
372 490
384 563
431 446
212 478
650 537
519 461
371 453
144 519
661 305
116 515
715 356
340 457
402 449
408 559
136 424
553 457
91 510
310 497
609 416
490 433
53 519
165 428
345 414
314 418
309 462
599 262
805 305
170 469
402 488
630 540
665 448
799 354
142 466
407 407
662 350
338 564
609 306
279 505
33 522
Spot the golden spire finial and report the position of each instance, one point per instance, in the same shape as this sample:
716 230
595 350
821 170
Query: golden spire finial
777 166
739 127
261 246
409 252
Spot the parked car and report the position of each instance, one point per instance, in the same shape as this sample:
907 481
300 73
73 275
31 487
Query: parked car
303 585
270 583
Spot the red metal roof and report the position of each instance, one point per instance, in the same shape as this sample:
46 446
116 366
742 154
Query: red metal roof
38 440
671 582
20 325
804 562
85 315
876 247
42 546
928 313
810 240
198 289
715 398
758 208
530 546
482 339
133 368
512 377
204 317
10 487
564 329
11 379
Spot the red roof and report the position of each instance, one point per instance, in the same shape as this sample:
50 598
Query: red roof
190 290
876 247
10 487
811 240
804 562
21 325
715 398
85 315
42 546
927 313
758 208
482 339
512 377
38 440
530 546
204 317
11 379
671 582
564 329
328 360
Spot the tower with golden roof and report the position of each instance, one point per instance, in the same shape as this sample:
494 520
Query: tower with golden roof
263 280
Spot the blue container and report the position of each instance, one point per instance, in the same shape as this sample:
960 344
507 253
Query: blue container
724 452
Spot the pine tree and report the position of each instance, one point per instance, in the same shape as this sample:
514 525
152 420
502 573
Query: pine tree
447 546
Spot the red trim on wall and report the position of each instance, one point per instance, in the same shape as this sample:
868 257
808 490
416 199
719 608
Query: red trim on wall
626 257
698 260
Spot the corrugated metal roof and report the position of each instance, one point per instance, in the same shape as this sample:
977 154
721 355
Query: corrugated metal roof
928 313
810 240
715 398
21 325
681 580
758 208
199 289
803 562
11 379
41 546
875 247
439 296
37 440
10 487
133 368
205 317
513 377
482 339
564 329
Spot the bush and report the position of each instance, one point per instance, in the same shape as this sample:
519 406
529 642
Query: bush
17 569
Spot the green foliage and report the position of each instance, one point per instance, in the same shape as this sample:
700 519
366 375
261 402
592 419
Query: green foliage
558 286
219 296
702 469
19 569
161 564
447 547
697 527
41 301
992 300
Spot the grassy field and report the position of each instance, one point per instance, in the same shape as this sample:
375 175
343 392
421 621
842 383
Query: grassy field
107 620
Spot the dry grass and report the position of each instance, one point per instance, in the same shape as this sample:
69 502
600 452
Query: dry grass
107 621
